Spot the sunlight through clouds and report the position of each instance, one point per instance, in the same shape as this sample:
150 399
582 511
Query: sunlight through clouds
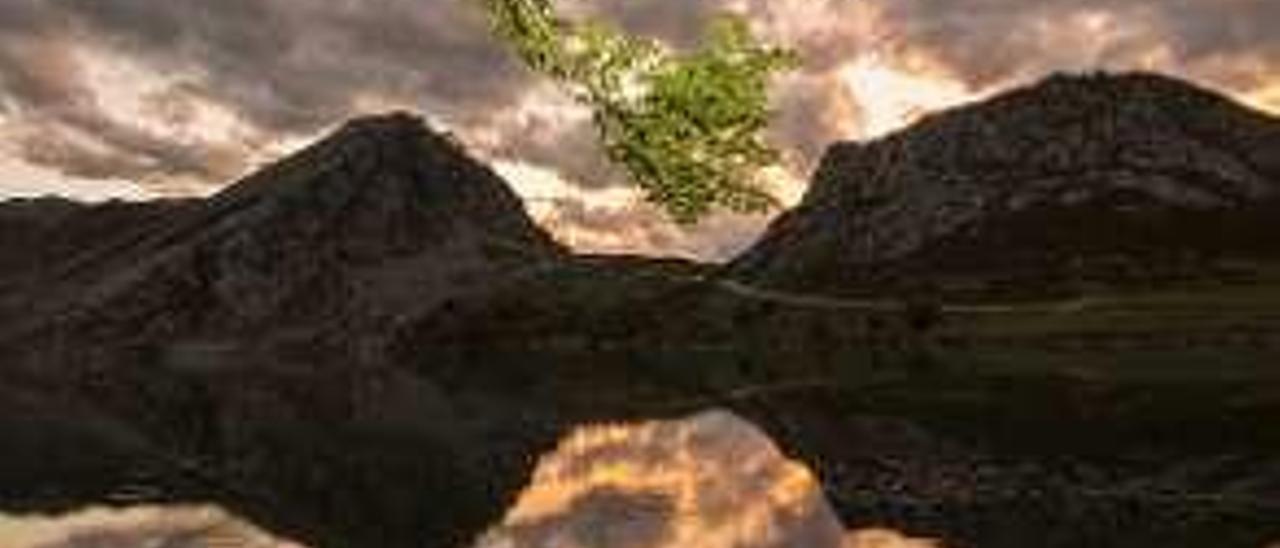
105 97
893 98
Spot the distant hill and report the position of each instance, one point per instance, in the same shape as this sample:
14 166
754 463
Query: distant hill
1075 179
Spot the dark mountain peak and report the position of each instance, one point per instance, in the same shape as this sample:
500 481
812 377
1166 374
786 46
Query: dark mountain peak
382 216
396 137
390 126
1067 124
1150 100
388 123
1117 85
383 180
368 150
1048 174
1109 93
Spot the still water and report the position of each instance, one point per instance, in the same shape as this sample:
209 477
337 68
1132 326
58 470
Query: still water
711 480
141 527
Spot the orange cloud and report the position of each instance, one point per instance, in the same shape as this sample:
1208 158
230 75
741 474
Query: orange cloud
711 480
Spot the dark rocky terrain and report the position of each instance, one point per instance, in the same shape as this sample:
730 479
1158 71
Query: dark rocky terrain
369 343
241 336
1075 179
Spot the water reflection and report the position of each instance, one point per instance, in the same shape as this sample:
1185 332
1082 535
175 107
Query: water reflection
712 480
151 526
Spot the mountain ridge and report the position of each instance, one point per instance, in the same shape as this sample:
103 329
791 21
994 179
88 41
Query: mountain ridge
366 344
1075 147
380 213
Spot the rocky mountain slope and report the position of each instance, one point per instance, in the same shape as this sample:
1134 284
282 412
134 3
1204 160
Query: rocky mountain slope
1072 179
382 217
367 343
36 235
240 337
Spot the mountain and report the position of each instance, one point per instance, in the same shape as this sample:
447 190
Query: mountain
381 217
1075 179
37 234
369 342
230 349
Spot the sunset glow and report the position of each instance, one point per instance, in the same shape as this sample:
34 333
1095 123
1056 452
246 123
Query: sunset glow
193 526
95 105
711 480
892 98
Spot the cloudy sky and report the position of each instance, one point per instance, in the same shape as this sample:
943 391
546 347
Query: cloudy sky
144 98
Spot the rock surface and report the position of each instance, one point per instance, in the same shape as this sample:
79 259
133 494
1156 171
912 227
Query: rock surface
382 216
1062 179
232 349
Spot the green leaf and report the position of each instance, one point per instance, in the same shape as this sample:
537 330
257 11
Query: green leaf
686 126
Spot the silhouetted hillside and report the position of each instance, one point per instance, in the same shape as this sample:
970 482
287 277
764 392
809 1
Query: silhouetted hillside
233 347
369 343
1076 179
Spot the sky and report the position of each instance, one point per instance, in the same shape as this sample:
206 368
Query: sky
138 99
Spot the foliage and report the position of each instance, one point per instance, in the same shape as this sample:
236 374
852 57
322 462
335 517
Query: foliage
688 126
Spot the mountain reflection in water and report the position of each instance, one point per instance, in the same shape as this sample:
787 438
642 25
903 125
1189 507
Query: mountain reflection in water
709 481
712 480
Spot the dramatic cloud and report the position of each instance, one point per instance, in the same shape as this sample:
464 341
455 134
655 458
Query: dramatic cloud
55 117
278 68
989 41
181 96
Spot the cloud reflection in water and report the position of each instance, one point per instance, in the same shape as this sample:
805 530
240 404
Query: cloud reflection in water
141 527
712 480
709 481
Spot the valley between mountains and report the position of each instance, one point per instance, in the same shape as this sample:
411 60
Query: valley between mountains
1048 319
